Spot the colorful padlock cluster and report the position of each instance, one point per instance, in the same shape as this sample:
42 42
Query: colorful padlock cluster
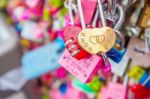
83 49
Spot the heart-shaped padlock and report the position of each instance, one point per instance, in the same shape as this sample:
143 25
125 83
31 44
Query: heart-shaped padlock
97 39
71 41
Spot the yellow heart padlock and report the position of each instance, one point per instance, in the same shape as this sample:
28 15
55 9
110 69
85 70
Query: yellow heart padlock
97 40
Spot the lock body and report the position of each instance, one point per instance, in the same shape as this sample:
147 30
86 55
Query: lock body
144 78
95 84
70 34
83 69
116 55
136 73
144 20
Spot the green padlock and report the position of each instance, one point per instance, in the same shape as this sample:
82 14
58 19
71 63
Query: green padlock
81 86
96 84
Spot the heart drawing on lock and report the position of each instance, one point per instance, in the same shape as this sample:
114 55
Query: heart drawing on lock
97 40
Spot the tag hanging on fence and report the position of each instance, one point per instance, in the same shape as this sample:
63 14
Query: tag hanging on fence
42 60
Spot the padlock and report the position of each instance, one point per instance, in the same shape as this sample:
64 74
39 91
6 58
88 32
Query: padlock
140 91
118 51
42 60
118 90
70 35
136 73
96 40
71 41
82 86
97 35
115 90
63 88
83 69
95 84
116 54
145 79
144 20
136 51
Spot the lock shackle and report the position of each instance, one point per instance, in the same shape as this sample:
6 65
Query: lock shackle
70 6
81 14
121 17
101 13
104 24
119 24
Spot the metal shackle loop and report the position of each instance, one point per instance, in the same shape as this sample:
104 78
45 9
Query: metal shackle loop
119 23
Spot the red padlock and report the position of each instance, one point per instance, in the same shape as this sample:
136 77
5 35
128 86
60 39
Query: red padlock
140 91
70 36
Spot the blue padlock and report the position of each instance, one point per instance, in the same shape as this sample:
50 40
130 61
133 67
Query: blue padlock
116 54
63 88
42 60
145 79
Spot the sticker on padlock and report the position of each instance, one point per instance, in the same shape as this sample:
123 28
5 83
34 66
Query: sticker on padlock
136 51
136 72
42 60
71 41
83 69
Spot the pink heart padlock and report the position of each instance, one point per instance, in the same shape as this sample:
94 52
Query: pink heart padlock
70 35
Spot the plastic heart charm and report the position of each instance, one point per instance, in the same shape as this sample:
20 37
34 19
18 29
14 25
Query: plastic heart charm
71 40
97 39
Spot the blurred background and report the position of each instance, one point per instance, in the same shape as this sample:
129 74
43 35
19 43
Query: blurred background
31 44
